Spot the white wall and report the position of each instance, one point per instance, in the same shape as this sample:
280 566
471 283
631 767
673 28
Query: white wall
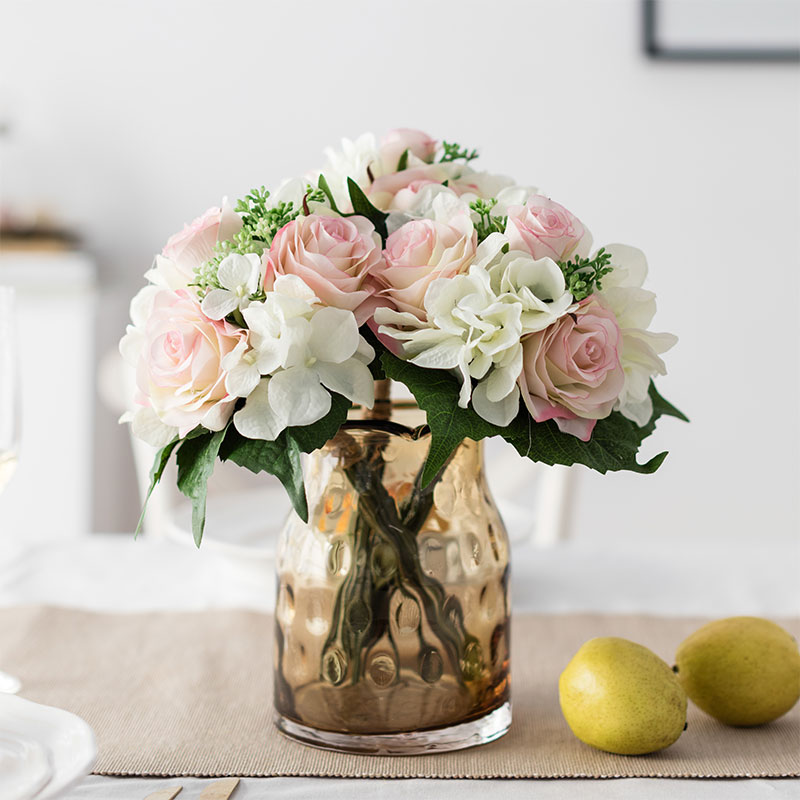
138 115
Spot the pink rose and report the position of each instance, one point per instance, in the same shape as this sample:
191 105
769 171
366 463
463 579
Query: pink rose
194 245
179 373
544 228
333 255
397 190
571 370
396 142
421 251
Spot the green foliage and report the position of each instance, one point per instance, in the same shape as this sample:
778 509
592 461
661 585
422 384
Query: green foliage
360 202
403 162
205 276
281 458
157 471
259 226
362 206
614 444
487 224
196 458
326 190
375 366
452 151
265 228
585 275
313 195
253 206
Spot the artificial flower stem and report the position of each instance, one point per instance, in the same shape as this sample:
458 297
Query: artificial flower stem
382 408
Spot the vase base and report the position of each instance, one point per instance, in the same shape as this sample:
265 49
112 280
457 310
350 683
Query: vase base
434 740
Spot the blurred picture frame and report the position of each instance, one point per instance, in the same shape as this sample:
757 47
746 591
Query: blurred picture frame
722 30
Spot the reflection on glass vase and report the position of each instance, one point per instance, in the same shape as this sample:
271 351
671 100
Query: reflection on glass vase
392 618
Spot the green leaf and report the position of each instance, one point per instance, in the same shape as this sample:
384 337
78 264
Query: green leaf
375 366
159 465
452 151
196 459
403 162
436 392
662 407
584 275
280 458
613 446
362 206
323 184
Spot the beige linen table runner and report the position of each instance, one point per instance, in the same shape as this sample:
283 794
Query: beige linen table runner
172 694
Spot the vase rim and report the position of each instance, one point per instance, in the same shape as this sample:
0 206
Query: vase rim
387 426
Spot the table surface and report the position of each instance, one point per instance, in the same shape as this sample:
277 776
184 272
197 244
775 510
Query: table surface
115 573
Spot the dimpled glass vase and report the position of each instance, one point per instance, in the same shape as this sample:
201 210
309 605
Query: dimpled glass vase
392 616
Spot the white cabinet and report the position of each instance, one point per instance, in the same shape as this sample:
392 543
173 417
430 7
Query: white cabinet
51 491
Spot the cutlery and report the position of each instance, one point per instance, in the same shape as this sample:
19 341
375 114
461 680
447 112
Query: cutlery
164 794
219 790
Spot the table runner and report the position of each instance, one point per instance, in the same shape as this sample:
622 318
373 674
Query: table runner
172 694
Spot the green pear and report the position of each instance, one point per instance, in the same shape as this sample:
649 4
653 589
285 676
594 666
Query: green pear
742 670
619 696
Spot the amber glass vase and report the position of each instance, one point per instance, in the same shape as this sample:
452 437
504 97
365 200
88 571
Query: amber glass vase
392 617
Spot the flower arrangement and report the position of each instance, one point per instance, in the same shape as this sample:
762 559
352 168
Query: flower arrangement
262 324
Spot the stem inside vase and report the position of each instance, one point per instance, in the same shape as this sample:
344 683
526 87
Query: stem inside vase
392 612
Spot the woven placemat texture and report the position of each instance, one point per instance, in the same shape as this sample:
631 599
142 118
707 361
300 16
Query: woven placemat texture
172 694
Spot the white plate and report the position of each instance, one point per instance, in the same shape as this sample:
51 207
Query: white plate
24 766
36 737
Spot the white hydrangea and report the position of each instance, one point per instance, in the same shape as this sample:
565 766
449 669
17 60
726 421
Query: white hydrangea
470 330
537 284
634 309
475 323
239 277
296 352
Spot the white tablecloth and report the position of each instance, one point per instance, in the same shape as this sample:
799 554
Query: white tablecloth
114 573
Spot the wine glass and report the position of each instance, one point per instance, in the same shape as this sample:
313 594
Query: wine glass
9 415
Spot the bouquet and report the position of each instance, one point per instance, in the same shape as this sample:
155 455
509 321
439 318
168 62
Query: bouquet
262 324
